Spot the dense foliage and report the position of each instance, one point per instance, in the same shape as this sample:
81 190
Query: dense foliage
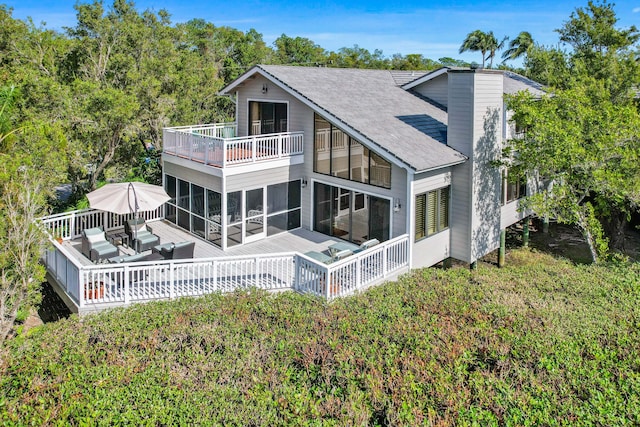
583 137
119 75
540 342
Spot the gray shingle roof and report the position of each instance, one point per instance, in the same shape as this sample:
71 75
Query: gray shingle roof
371 103
514 83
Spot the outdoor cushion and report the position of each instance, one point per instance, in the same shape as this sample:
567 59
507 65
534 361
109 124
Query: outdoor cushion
145 241
95 238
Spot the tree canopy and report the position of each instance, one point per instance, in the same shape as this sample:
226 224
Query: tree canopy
583 138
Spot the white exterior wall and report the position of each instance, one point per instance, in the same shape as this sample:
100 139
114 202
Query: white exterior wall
433 249
301 118
436 89
475 129
251 90
192 175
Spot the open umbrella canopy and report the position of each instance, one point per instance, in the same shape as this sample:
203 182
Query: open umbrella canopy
127 197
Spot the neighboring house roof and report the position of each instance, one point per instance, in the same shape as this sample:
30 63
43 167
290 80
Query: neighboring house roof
374 107
514 83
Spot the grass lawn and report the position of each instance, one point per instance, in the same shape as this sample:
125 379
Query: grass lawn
540 342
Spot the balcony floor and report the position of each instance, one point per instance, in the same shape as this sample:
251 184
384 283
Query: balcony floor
300 240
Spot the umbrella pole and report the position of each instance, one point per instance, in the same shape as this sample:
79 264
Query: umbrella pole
135 216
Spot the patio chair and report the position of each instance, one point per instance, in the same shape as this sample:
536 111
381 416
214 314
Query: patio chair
142 239
366 245
95 245
182 250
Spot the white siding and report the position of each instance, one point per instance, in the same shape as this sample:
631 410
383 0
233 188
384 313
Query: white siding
258 179
436 248
196 177
509 214
436 89
251 90
487 184
475 129
460 137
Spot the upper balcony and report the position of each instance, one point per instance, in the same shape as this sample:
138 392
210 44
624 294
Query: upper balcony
216 145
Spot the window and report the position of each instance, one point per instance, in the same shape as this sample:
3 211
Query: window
512 188
432 212
336 153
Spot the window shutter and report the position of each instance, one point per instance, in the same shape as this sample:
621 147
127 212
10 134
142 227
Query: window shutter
420 216
420 213
444 209
432 208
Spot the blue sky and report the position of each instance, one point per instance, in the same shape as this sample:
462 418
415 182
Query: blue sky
433 29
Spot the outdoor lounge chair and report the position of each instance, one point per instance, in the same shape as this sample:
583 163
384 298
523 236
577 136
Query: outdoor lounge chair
366 245
141 239
95 245
182 250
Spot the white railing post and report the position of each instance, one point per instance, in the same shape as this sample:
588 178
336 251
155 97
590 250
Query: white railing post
327 283
280 144
385 255
296 278
215 276
172 289
253 149
256 260
82 286
359 267
127 293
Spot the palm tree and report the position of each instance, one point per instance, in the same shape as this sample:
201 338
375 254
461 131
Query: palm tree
474 42
492 46
518 46
485 43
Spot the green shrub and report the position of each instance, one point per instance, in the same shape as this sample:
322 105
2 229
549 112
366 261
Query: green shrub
541 342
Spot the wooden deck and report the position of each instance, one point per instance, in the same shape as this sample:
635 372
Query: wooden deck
300 240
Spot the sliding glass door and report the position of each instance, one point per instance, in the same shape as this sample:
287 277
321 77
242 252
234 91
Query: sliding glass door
267 117
350 215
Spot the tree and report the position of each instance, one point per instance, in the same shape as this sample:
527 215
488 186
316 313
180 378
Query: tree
298 51
32 160
518 46
587 150
485 43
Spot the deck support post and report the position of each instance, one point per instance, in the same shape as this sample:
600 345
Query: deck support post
525 233
545 224
502 250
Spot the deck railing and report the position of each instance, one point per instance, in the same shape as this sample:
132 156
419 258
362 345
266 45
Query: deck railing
69 225
355 272
217 145
104 285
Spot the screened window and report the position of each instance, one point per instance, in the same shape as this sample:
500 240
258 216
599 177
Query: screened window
283 207
432 212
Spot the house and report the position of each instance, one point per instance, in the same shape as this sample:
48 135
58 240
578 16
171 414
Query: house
354 154
327 182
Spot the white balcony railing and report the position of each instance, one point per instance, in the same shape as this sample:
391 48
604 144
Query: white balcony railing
105 285
217 145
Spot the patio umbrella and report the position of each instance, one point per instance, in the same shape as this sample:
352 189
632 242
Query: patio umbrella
128 197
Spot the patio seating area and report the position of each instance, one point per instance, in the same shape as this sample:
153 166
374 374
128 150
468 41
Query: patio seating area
181 264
